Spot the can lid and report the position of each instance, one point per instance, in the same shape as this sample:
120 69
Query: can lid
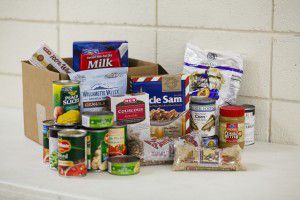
232 111
123 159
64 82
49 122
248 107
72 133
202 101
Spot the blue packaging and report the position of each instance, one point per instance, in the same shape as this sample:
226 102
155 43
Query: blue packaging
95 55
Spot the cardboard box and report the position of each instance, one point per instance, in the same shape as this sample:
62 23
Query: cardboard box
37 92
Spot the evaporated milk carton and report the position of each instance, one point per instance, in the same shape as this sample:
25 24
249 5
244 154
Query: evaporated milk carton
168 102
97 54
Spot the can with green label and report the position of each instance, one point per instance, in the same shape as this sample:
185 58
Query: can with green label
46 125
97 149
97 120
72 152
123 165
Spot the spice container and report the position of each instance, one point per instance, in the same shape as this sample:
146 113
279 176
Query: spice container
232 126
203 111
72 152
249 123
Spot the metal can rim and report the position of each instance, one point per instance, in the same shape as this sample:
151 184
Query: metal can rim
129 157
49 122
64 133
202 101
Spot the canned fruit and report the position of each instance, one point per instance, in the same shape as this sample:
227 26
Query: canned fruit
46 125
72 152
97 120
116 139
123 165
98 149
66 102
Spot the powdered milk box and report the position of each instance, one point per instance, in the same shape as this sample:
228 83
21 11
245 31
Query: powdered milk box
169 103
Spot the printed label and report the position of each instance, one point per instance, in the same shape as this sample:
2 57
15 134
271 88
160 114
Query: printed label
249 128
130 110
231 133
53 152
100 60
210 157
116 141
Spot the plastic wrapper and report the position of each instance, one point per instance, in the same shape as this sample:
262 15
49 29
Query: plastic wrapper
213 74
189 156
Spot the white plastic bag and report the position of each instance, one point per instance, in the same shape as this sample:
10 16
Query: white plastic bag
213 74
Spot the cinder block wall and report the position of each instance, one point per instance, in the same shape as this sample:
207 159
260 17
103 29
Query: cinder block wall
266 32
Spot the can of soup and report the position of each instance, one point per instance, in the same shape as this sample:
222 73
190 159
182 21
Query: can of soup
72 152
66 102
203 116
46 125
249 124
117 140
97 149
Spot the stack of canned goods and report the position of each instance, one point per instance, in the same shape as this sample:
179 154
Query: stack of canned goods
73 148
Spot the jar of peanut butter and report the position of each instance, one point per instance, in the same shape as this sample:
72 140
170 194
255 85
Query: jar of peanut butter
232 126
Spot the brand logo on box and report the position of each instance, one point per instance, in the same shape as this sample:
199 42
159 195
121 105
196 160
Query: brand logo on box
130 100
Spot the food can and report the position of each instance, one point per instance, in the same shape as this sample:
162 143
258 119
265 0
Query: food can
210 142
97 120
203 116
53 146
123 165
117 140
66 102
46 125
72 152
249 124
97 149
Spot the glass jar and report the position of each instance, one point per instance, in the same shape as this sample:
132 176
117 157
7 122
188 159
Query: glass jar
232 126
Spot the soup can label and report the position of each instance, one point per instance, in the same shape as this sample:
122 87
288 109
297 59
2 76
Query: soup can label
72 157
53 153
116 140
66 100
249 127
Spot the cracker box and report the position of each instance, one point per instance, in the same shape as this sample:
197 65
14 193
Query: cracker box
96 55
133 110
169 103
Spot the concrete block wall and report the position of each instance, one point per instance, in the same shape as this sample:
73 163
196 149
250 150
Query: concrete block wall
265 32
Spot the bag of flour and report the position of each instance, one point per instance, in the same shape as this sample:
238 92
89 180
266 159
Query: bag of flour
213 74
96 85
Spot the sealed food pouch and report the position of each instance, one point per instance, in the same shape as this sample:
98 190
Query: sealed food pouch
213 74
96 85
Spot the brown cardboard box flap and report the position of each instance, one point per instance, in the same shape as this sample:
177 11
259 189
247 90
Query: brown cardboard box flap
37 92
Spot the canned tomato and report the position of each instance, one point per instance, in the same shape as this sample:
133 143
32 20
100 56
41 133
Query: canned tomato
46 125
66 102
249 124
97 149
210 141
53 146
97 120
117 140
123 165
72 156
203 115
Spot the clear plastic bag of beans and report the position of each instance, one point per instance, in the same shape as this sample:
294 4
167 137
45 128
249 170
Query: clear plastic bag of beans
189 156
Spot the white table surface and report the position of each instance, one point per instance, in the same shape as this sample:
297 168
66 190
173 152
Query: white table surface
273 173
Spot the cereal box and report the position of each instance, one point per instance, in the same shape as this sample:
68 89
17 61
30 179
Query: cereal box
169 103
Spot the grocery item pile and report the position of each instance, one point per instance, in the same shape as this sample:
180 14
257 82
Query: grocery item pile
105 120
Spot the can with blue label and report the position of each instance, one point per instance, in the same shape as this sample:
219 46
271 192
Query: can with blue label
46 125
203 116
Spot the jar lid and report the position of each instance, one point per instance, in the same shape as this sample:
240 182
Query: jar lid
232 111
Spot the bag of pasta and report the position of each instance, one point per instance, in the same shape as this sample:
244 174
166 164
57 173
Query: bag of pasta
190 155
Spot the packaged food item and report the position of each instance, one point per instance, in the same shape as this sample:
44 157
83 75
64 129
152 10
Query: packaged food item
96 85
203 116
210 142
116 139
133 110
46 125
72 152
232 126
66 101
96 55
169 103
191 156
45 58
249 124
53 146
97 149
213 74
97 120
123 165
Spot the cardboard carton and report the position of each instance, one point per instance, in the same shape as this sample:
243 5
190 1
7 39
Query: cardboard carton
37 92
